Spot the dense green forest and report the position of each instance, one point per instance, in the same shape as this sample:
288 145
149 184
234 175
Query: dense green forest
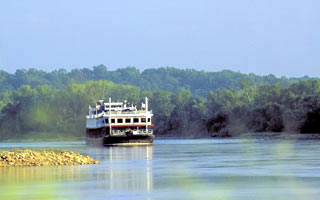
184 102
168 79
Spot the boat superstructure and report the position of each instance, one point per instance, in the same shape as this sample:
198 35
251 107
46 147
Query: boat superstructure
111 123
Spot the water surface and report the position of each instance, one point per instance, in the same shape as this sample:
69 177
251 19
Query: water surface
173 169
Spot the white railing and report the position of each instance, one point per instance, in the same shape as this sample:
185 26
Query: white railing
137 132
128 112
92 116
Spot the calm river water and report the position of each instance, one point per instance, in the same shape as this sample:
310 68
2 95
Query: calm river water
174 169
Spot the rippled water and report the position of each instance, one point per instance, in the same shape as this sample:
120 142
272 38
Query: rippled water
174 169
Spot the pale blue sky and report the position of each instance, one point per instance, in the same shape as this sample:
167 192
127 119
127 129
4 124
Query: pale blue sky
260 36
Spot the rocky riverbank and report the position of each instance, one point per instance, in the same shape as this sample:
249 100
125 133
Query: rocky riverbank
19 158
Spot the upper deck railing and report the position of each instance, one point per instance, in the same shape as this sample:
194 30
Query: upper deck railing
113 113
116 108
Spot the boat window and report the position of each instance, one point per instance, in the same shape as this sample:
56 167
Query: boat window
120 121
143 119
136 120
128 120
149 119
107 121
113 121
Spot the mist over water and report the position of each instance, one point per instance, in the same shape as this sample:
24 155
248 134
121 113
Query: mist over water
174 169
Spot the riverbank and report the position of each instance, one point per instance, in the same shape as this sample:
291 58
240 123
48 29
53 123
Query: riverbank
265 135
280 135
20 158
58 137
45 137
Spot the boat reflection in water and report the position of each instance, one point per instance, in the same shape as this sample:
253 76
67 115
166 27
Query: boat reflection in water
130 168
124 171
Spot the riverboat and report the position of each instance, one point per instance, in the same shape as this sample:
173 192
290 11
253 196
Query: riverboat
118 123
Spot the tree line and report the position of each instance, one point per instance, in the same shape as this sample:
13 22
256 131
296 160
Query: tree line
222 112
166 78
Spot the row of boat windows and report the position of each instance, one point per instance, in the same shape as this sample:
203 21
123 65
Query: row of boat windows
128 120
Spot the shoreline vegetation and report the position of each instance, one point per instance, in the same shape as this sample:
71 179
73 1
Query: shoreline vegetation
47 157
45 137
41 106
255 135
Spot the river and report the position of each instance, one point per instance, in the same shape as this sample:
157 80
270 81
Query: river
174 169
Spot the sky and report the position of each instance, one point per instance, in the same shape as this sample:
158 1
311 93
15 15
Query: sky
280 37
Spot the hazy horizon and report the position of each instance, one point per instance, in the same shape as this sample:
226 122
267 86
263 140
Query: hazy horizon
261 37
